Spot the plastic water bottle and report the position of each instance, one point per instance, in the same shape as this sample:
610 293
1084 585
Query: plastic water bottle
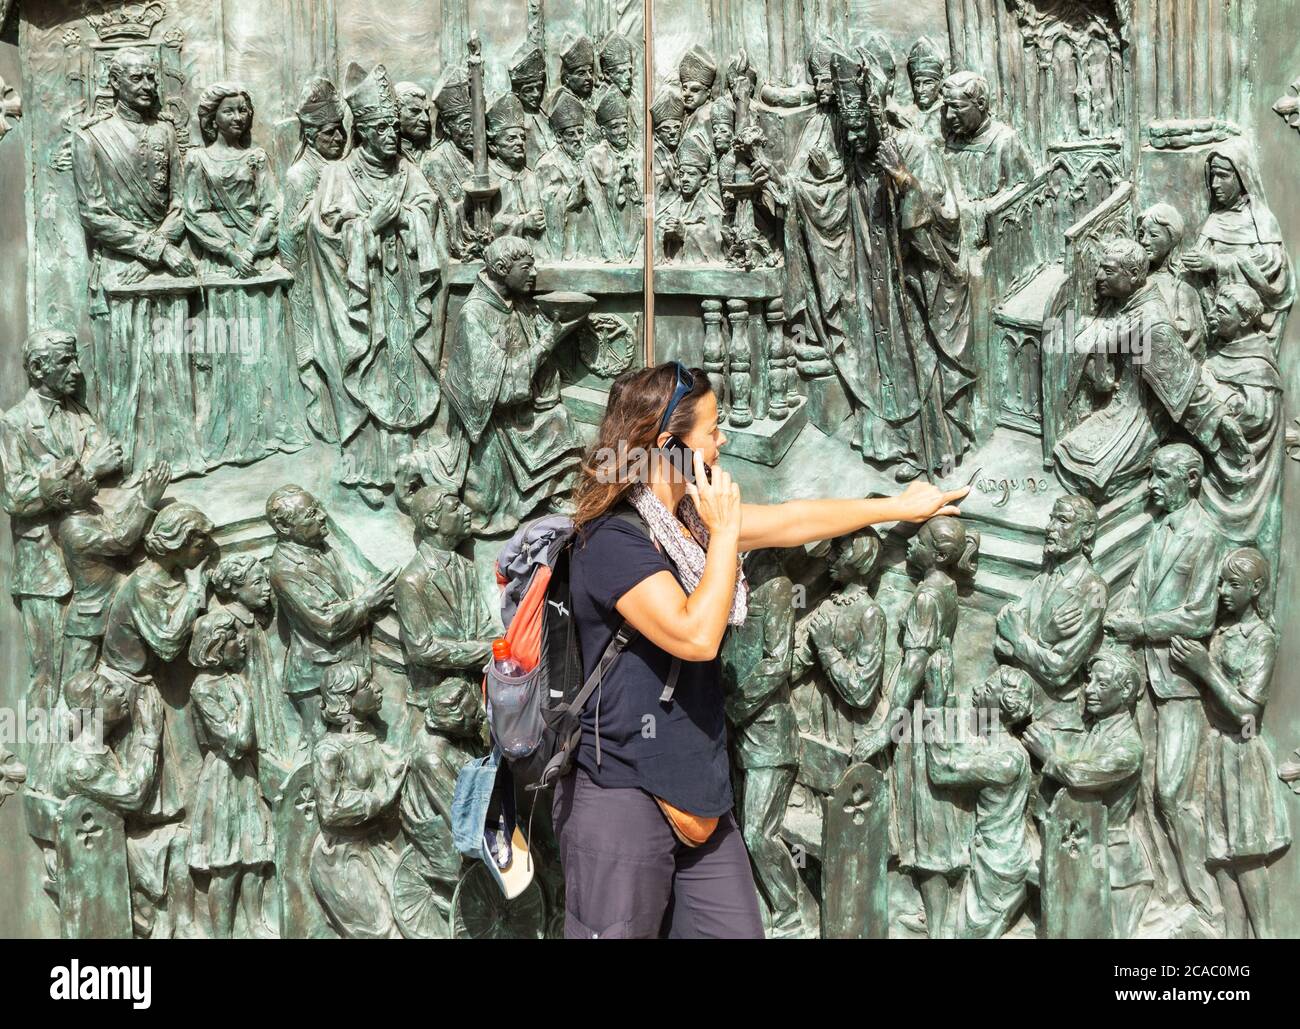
505 664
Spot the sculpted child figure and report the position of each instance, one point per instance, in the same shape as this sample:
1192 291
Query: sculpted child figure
1246 822
231 839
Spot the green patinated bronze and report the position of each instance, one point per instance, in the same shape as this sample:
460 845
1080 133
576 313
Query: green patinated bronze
308 345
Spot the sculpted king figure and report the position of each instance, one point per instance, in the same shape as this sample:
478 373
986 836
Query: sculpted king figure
128 176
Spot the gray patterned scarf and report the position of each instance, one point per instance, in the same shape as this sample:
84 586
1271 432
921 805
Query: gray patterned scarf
686 552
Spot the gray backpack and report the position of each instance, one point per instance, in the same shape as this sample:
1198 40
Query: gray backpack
535 717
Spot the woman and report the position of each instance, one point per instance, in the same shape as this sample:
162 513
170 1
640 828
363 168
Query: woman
1240 240
148 627
1246 823
647 838
231 839
232 211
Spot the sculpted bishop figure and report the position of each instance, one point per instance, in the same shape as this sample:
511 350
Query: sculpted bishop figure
372 254
524 448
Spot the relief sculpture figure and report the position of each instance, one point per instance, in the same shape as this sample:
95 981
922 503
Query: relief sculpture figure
47 426
356 782
506 390
249 400
765 740
1106 761
934 821
371 252
1172 593
231 838
1240 239
1246 821
322 138
140 365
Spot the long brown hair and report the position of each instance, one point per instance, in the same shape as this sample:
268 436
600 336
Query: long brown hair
629 432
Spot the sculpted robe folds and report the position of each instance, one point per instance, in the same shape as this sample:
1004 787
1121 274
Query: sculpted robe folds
617 207
569 217
1242 499
373 302
249 403
992 160
447 169
1245 242
523 447
900 352
128 177
299 191
520 193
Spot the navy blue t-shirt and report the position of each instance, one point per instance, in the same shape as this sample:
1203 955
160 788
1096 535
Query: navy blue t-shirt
676 751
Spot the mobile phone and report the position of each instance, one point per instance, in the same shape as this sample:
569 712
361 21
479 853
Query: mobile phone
682 458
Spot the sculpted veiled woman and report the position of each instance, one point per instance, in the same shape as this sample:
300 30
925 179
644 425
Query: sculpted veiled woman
1240 239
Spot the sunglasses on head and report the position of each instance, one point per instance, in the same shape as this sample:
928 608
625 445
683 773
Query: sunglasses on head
685 383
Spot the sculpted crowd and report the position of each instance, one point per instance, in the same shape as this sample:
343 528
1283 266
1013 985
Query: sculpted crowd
197 684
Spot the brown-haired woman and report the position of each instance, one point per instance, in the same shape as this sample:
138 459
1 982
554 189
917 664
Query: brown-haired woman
647 839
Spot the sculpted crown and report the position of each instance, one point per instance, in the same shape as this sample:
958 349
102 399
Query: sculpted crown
131 22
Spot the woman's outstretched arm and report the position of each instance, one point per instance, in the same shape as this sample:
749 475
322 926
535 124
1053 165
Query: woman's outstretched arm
797 522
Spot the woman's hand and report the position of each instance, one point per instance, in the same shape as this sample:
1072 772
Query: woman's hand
718 502
922 501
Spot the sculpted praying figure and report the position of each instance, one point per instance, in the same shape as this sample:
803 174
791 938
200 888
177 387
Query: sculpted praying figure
517 209
356 783
524 448
232 212
570 223
612 172
322 139
1172 593
1240 239
231 839
689 223
1246 821
374 268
